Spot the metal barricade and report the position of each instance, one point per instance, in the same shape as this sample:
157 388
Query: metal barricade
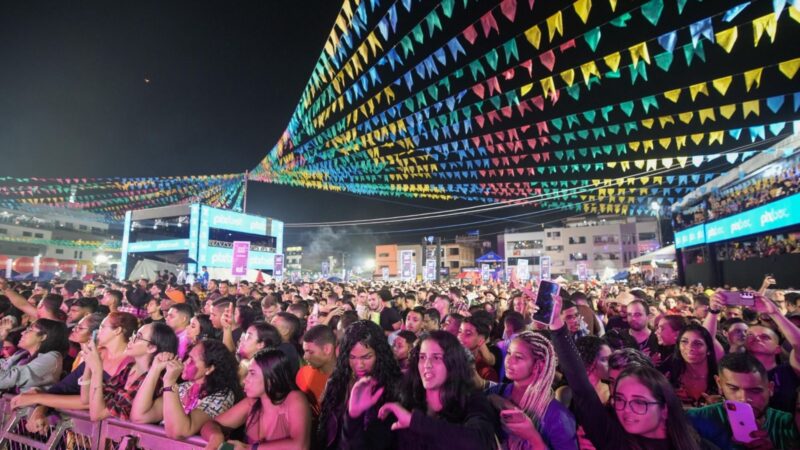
73 430
69 430
119 435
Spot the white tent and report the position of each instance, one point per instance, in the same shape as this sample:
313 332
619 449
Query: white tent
663 254
150 269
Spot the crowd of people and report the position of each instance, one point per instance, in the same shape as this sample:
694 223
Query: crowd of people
762 247
743 196
380 365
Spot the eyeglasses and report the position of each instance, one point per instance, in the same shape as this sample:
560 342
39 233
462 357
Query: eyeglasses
637 406
139 337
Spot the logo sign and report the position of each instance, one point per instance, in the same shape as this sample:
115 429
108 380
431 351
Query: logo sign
582 274
486 272
326 269
778 214
406 264
544 267
158 246
385 273
430 270
522 269
229 220
690 236
241 251
277 267
9 265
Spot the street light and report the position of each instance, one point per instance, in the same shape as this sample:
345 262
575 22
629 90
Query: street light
656 207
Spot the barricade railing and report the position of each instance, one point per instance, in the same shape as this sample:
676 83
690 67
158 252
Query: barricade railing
74 430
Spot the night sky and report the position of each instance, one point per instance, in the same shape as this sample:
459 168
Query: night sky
154 88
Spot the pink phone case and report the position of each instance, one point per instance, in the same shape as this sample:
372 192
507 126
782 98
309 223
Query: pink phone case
742 420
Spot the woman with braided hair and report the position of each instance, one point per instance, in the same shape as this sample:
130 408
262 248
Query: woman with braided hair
530 415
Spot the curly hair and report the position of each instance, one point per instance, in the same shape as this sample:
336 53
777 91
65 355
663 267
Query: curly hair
386 370
455 391
225 376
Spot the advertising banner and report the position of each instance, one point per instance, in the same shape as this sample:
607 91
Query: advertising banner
406 264
544 267
277 267
385 273
241 252
522 269
582 274
486 272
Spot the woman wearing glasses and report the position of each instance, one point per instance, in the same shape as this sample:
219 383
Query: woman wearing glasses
39 365
648 414
115 396
112 339
209 388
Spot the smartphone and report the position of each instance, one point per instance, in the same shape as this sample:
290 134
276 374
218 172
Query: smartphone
512 415
544 301
94 336
738 298
742 420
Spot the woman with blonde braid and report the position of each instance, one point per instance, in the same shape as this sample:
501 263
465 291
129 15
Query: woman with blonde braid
530 415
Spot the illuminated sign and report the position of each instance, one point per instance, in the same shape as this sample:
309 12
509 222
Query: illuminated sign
158 246
690 236
229 220
223 257
772 216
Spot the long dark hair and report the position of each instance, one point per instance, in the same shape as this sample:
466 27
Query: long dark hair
278 380
680 433
679 365
56 334
225 376
456 390
386 371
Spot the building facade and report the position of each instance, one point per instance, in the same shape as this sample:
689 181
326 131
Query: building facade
294 259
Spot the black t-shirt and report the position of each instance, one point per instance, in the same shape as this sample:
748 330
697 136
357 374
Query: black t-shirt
786 383
389 317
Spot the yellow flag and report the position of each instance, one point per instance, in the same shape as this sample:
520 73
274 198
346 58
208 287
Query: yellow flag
697 138
680 141
715 136
648 123
665 142
727 111
664 120
726 38
634 145
548 86
768 23
753 76
612 61
794 12
707 114
673 95
582 8
374 43
525 89
699 88
686 117
555 23
568 76
722 84
639 51
647 145
789 68
751 107
613 4
588 69
534 36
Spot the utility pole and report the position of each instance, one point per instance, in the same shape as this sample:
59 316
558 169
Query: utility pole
244 194
438 258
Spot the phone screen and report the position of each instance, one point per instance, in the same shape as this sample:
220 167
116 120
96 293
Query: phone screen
544 301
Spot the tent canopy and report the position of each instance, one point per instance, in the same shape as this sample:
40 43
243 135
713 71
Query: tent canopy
490 257
663 254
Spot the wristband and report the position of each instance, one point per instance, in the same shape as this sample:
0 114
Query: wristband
714 311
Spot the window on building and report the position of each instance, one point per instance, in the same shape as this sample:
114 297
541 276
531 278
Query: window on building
83 227
577 240
96 230
453 252
605 239
554 248
3 231
38 235
554 234
526 245
647 236
454 264
59 251
27 234
578 256
383 255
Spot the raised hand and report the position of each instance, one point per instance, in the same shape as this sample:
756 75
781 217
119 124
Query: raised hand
557 321
363 396
403 415
174 368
